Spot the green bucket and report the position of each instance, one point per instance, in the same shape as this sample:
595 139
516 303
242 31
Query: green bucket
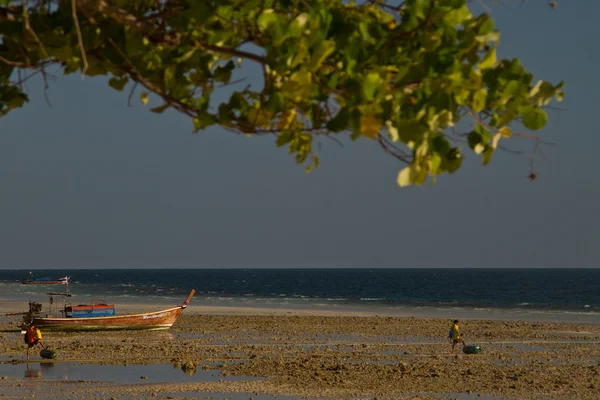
472 349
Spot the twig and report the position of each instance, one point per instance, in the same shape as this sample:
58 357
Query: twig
484 6
533 137
46 86
382 140
230 83
336 140
30 30
79 37
511 151
13 63
233 52
23 65
131 94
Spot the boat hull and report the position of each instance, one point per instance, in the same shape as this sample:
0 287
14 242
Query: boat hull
157 320
43 283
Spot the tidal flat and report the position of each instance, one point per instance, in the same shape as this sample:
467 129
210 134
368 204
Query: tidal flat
308 355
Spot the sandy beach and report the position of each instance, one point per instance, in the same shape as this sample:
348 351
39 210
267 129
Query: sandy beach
262 352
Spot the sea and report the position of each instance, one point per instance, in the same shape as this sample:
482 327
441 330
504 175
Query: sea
570 295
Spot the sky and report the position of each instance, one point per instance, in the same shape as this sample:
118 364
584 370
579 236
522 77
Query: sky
89 182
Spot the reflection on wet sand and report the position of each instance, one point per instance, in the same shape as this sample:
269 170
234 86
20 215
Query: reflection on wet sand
32 373
124 374
39 372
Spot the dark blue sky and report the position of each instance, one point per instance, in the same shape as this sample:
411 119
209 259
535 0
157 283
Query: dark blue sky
91 183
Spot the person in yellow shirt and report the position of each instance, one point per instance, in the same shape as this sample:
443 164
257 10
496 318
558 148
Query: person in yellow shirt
456 338
33 336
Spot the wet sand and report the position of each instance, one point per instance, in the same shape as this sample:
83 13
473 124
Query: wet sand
322 353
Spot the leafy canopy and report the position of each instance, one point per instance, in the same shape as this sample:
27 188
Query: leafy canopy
401 75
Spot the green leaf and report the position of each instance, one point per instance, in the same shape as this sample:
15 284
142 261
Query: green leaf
457 16
479 138
340 122
297 26
392 131
453 160
144 98
371 85
543 92
535 118
489 60
409 130
404 177
16 101
275 103
479 100
160 109
487 155
287 120
486 27
479 148
169 76
370 126
298 86
266 19
118 83
412 174
452 3
298 56
284 138
187 56
200 10
223 72
323 51
485 134
435 163
260 117
418 174
203 120
440 145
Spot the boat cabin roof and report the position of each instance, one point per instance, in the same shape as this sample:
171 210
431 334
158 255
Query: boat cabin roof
60 294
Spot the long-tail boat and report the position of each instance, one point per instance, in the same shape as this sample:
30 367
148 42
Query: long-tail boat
45 281
100 317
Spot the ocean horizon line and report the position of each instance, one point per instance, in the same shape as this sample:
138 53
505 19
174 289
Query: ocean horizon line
289 268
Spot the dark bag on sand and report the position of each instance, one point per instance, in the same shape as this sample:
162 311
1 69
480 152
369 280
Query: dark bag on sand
472 349
47 353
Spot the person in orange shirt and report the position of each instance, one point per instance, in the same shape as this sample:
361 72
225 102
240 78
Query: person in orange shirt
33 336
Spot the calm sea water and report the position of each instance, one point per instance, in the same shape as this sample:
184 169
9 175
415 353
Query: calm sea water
566 292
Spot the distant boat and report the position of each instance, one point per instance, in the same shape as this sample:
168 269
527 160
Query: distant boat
101 317
45 281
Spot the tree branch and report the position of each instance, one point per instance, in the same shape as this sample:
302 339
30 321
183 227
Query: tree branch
79 37
140 79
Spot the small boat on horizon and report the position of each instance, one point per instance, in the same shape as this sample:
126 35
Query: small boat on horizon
45 281
99 317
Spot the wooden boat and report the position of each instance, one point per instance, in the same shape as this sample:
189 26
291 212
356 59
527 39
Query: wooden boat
45 281
162 319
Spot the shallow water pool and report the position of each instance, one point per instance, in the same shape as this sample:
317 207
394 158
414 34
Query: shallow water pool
123 374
